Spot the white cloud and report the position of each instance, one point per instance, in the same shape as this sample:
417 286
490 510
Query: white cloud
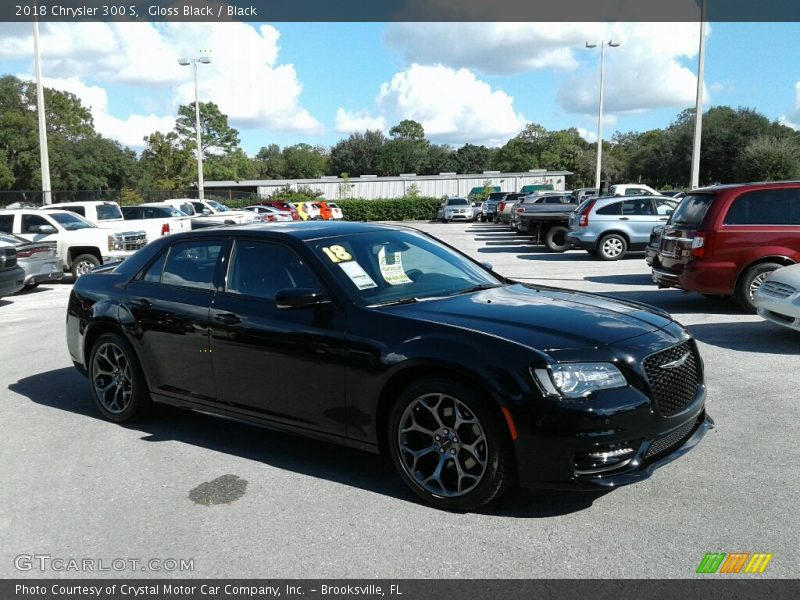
793 118
646 72
351 121
589 136
453 106
244 78
129 131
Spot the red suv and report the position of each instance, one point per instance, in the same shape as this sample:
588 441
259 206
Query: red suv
725 240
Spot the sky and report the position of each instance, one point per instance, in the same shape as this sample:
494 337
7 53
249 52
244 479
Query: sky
480 83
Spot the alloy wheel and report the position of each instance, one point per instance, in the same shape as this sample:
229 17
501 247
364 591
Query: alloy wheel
112 378
442 445
612 247
83 267
758 280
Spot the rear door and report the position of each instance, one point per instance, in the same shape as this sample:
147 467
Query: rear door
167 307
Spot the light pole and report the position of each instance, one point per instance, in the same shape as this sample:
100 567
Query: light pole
698 106
603 45
185 62
47 193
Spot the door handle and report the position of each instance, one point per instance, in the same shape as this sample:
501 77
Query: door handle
227 319
141 303
624 219
664 219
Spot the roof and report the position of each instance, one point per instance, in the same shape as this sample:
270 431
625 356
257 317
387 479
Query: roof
370 178
303 230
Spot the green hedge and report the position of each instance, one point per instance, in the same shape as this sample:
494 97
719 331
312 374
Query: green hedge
400 209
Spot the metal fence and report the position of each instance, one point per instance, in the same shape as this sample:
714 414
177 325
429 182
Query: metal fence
35 197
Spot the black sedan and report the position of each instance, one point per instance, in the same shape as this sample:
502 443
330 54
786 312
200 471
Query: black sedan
373 334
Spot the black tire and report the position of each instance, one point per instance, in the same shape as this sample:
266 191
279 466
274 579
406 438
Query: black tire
32 286
751 280
556 239
83 264
113 366
612 247
487 474
592 252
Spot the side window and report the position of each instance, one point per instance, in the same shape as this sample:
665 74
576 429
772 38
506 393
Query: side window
665 207
767 207
78 210
634 192
192 264
553 200
198 207
31 223
260 269
612 209
153 273
637 207
7 223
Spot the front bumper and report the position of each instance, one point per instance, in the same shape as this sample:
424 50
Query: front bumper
448 216
781 311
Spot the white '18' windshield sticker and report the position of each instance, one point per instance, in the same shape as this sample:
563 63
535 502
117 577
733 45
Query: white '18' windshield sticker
392 271
358 275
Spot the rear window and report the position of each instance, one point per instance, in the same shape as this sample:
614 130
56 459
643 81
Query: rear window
765 207
692 210
108 212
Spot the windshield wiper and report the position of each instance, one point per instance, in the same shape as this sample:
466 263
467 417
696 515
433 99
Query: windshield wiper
411 300
475 288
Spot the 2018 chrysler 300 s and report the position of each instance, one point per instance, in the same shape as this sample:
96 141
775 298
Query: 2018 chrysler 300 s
376 332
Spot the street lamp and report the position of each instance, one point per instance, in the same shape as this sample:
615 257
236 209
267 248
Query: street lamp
602 45
185 62
44 156
698 106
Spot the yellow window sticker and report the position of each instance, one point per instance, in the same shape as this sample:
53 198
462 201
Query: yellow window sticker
392 268
337 253
357 275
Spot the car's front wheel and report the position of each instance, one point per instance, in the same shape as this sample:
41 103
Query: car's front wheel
83 264
450 445
118 385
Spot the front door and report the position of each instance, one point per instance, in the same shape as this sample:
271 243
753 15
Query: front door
286 365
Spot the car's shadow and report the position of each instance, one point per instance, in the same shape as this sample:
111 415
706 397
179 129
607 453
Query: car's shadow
642 279
572 256
65 389
752 336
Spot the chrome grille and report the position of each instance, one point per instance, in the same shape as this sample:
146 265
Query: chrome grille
134 241
777 289
673 376
670 441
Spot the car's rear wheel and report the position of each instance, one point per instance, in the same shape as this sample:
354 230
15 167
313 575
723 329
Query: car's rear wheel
450 446
83 264
118 385
750 281
556 239
612 247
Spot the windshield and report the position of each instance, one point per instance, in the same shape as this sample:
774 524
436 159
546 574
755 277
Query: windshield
10 238
71 221
691 210
385 267
217 206
457 202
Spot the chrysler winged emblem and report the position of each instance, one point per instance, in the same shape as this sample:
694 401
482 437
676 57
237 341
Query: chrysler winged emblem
676 363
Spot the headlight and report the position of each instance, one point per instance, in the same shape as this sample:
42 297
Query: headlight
115 242
577 380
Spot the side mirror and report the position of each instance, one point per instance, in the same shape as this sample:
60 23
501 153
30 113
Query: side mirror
206 212
488 266
46 229
670 211
300 298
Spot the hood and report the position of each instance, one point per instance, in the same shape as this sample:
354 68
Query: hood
541 318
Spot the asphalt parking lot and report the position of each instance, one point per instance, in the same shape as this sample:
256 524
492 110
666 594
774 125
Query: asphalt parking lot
75 486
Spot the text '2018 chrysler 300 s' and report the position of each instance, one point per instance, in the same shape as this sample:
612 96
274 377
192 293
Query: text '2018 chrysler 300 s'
376 332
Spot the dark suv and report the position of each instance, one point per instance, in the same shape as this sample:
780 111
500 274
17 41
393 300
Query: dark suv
725 240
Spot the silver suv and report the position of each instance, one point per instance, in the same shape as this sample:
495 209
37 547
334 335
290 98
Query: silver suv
611 226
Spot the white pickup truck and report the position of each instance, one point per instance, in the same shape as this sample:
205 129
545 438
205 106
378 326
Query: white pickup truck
211 212
109 215
81 245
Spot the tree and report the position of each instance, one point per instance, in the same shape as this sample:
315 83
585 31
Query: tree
166 163
407 151
408 130
769 158
217 136
304 161
362 153
472 159
234 166
270 162
439 159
